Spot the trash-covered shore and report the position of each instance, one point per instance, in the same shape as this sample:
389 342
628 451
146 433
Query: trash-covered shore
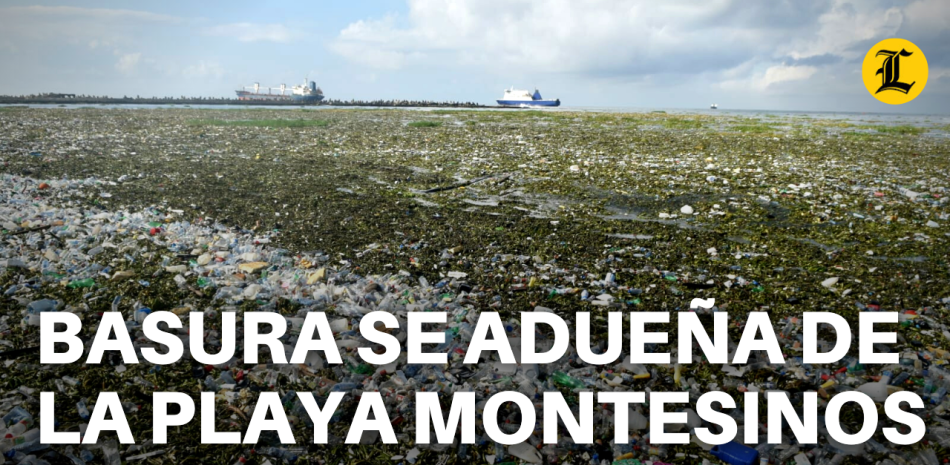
465 211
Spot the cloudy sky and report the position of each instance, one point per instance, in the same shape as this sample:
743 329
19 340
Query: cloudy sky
777 55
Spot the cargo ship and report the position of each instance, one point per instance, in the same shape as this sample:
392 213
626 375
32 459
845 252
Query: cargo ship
523 98
306 93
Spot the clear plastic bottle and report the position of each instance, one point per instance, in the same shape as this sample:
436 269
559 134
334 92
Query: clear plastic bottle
82 409
29 441
18 428
110 453
6 445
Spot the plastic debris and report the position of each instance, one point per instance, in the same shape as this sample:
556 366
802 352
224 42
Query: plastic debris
204 219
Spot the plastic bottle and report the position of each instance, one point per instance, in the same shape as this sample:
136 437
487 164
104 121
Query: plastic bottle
636 421
81 283
42 305
278 452
17 429
938 395
876 391
15 456
344 387
500 453
900 379
563 379
82 409
110 453
69 453
6 445
28 442
141 313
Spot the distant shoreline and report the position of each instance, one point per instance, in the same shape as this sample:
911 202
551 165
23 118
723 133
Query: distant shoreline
10 100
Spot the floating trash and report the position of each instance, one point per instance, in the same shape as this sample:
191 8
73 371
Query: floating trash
505 212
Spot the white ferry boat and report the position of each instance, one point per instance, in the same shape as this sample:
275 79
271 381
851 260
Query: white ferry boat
522 98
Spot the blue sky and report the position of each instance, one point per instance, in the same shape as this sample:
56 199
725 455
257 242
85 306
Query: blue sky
779 55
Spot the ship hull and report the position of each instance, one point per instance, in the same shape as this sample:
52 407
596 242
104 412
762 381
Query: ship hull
243 95
529 103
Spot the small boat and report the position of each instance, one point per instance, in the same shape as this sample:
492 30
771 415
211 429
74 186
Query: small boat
714 106
524 99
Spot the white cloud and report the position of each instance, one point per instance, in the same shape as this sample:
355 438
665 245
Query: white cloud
204 69
783 73
377 58
930 17
250 32
846 25
938 73
128 62
542 35
100 43
745 80
601 38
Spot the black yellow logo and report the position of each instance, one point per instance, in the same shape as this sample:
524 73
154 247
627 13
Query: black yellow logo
894 71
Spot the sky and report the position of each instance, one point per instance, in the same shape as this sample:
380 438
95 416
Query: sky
801 55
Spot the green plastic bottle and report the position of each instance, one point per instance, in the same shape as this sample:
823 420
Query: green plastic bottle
80 283
361 369
563 379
